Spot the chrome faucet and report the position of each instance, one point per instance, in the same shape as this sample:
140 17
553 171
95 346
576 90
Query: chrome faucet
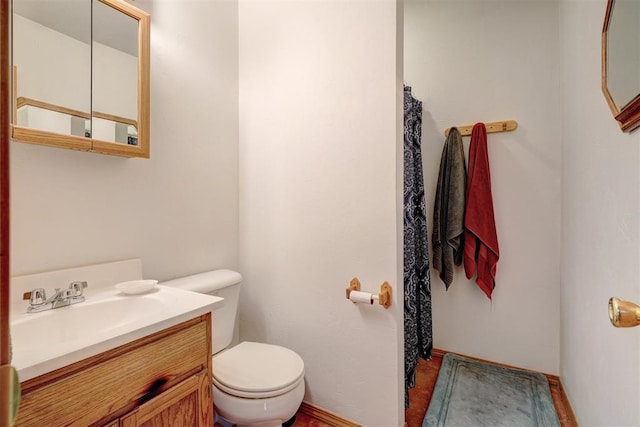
38 300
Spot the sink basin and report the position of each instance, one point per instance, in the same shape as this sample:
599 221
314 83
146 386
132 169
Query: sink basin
51 339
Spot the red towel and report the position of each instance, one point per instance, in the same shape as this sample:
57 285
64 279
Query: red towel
480 237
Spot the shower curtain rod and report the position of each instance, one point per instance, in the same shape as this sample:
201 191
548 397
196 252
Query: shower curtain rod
503 126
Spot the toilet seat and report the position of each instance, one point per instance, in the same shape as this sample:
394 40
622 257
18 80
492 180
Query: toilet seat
257 370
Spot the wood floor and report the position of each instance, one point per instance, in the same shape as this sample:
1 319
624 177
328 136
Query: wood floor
304 420
419 397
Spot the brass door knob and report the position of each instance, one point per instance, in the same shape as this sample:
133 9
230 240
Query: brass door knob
623 314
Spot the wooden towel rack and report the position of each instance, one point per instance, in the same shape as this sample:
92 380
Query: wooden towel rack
503 126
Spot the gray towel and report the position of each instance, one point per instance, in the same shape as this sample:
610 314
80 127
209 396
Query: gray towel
448 208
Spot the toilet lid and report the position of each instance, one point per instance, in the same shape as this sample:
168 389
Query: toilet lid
257 370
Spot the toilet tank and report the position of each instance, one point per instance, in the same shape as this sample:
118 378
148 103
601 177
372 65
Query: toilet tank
221 283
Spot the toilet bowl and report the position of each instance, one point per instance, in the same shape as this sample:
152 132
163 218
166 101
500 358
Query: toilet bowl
255 381
255 384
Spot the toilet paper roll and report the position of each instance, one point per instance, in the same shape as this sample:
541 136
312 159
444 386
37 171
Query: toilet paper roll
364 297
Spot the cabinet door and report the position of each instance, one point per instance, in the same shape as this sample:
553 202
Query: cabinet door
187 404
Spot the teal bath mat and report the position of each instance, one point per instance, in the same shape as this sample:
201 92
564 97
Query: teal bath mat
470 393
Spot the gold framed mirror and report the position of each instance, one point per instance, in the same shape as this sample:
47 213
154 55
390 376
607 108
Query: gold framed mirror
621 61
81 75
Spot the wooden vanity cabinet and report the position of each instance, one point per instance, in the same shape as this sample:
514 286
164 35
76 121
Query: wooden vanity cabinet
179 406
162 380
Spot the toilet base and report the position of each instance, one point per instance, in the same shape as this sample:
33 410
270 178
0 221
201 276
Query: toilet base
219 421
290 422
267 412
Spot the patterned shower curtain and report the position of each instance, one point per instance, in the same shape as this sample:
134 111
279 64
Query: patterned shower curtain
418 338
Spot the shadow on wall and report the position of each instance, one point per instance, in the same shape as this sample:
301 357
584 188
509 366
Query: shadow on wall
252 326
432 143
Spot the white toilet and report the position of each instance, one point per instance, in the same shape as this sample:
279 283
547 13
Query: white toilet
255 384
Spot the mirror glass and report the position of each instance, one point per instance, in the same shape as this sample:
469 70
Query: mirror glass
115 75
623 52
621 61
52 65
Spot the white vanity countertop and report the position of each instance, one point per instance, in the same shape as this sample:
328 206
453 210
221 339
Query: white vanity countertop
45 341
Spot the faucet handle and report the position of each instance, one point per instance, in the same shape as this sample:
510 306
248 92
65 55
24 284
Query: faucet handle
77 287
36 296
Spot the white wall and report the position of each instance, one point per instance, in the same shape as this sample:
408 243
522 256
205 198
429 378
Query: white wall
178 211
471 61
318 197
600 233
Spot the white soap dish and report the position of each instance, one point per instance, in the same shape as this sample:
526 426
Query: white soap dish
136 286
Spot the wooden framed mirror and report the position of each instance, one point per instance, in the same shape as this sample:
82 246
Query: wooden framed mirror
621 61
81 75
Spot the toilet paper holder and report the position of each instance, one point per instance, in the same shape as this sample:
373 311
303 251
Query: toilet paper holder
384 297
